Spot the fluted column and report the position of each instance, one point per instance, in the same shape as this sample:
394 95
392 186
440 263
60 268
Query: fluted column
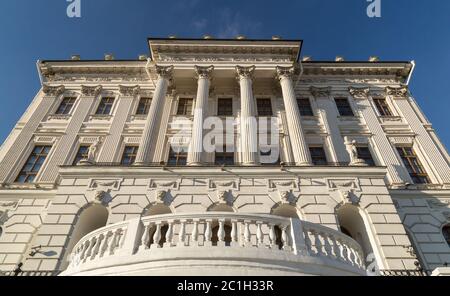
154 115
201 106
294 121
248 126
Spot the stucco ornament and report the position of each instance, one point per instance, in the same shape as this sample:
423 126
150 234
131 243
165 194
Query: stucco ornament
102 196
287 198
92 153
349 197
224 197
353 151
160 197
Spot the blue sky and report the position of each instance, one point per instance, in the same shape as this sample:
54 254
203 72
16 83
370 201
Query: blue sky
408 30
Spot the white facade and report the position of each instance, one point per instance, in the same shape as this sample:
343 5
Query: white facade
101 216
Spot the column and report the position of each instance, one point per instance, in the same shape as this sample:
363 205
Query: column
396 171
248 127
154 115
114 138
67 141
434 157
294 121
329 117
49 97
201 106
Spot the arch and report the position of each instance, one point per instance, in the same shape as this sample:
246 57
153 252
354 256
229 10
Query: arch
446 233
285 210
157 209
90 218
354 222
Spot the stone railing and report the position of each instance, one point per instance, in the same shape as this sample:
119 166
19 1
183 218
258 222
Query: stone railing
270 233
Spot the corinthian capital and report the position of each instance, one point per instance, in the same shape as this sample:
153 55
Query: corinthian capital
245 72
53 90
359 93
91 91
285 72
320 92
204 72
129 90
164 71
399 92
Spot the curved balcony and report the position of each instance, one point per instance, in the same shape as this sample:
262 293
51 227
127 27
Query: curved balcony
216 243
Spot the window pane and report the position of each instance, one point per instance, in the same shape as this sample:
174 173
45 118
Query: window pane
225 107
382 107
264 107
81 154
364 154
344 107
413 165
105 106
318 156
33 164
185 106
129 155
304 105
177 158
66 106
144 106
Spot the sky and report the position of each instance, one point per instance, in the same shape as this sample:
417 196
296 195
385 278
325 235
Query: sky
407 30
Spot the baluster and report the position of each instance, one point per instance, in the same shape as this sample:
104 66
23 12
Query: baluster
157 236
104 246
272 236
221 232
334 246
285 238
234 236
352 256
308 242
91 246
169 234
247 235
145 241
259 234
326 244
182 234
114 241
98 242
84 247
344 251
208 233
195 234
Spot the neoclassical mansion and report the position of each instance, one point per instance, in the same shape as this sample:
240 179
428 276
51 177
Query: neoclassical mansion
317 167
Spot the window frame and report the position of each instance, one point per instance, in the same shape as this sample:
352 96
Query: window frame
150 99
271 107
133 155
218 107
69 112
350 108
183 153
413 174
310 107
185 113
382 109
373 162
113 98
224 154
75 162
35 174
310 147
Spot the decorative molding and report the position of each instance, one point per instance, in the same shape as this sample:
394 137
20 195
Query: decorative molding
164 71
164 184
402 140
283 184
232 184
65 117
91 91
397 92
287 198
54 91
131 91
359 93
225 197
105 184
204 72
320 92
45 139
285 72
336 184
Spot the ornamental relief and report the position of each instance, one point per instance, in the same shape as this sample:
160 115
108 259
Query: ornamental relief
164 184
224 184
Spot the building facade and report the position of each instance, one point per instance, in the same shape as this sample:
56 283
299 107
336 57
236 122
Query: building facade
224 157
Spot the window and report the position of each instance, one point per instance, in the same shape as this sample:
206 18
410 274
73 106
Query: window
344 107
177 157
185 106
225 107
224 158
268 153
264 107
129 155
33 164
105 106
304 105
382 106
446 233
318 156
364 154
413 165
66 106
81 154
144 106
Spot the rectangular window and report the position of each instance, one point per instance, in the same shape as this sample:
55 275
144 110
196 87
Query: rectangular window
225 107
33 164
81 154
185 106
382 106
129 155
224 158
413 165
318 156
177 158
144 106
264 107
105 106
304 105
344 107
66 106
364 154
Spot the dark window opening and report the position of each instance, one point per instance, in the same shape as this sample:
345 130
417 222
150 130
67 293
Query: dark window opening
105 106
364 154
304 105
81 154
264 107
129 155
344 107
413 165
318 156
33 164
177 158
382 107
225 107
144 106
224 157
66 106
185 106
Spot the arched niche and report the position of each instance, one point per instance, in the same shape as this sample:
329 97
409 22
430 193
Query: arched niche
354 223
90 218
285 210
